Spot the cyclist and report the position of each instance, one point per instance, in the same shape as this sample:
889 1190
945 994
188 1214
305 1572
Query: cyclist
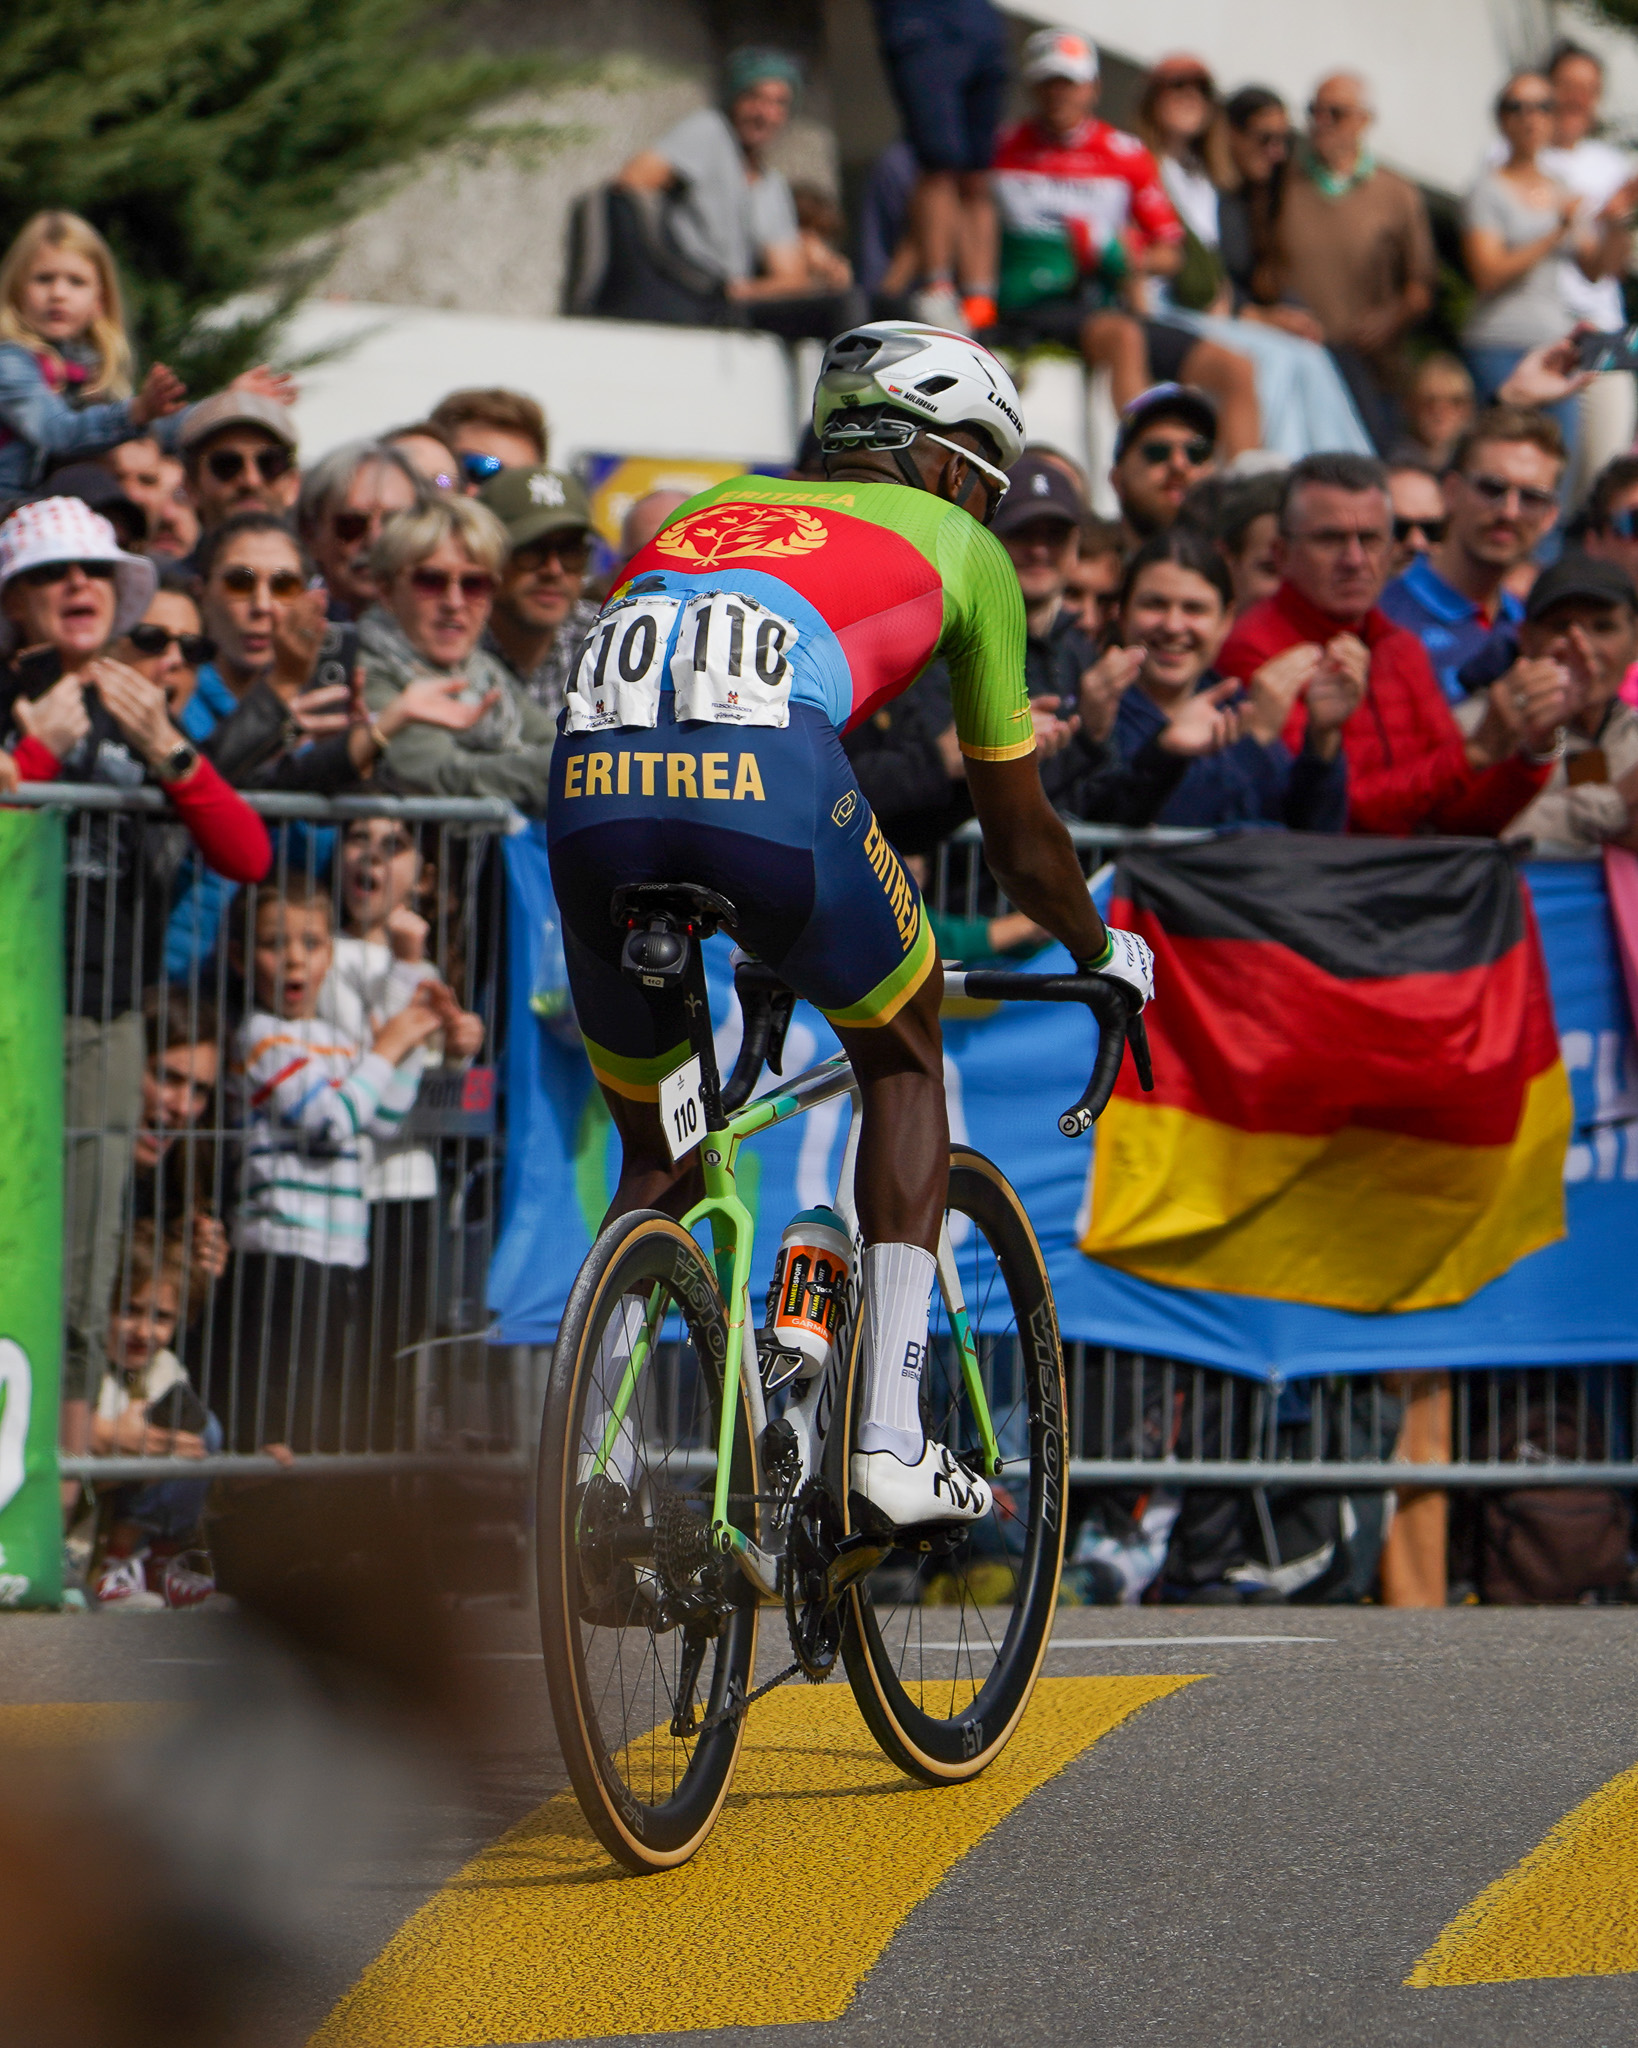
701 743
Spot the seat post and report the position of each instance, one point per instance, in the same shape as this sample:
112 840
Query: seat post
697 1004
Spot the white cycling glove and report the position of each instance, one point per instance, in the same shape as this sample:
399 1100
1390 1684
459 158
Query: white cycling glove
1130 961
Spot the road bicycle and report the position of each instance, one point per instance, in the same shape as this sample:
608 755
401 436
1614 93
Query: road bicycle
690 1477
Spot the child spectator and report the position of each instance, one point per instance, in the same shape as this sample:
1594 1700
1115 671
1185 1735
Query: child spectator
147 1408
174 1160
312 1092
65 384
1439 409
379 965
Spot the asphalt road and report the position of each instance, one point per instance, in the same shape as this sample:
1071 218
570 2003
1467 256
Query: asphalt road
1260 1856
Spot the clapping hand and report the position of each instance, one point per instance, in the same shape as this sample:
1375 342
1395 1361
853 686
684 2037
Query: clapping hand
1053 732
266 382
138 707
162 392
435 700
406 933
1276 686
1104 684
299 626
1205 723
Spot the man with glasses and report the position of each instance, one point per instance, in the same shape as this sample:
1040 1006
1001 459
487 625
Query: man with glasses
1356 247
345 498
1167 441
1608 526
1419 521
1500 496
1409 767
490 430
540 617
239 455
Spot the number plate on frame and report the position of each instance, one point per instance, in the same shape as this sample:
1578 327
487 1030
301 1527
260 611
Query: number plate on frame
682 1108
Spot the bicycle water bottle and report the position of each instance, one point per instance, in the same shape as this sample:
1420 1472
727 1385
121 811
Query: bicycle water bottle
808 1290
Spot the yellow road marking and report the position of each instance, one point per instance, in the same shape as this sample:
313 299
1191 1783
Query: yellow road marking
46 1724
1569 1909
823 1848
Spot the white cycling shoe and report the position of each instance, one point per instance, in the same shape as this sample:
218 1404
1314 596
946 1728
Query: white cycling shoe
935 1489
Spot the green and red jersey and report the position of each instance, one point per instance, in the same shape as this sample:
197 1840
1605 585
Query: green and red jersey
877 579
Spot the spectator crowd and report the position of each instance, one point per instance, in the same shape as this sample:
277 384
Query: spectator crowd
1353 583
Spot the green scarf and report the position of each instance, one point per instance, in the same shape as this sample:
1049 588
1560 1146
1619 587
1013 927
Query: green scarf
1335 183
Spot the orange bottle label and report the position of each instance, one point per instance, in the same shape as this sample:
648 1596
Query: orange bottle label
807 1300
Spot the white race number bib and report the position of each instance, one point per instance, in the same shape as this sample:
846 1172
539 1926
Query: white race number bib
622 666
732 662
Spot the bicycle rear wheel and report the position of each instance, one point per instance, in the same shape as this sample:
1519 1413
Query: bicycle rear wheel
636 1609
943 1647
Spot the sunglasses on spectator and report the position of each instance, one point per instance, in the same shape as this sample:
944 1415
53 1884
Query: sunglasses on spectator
1432 530
194 648
1269 138
473 585
572 550
1624 525
350 526
1497 490
480 468
242 580
1320 110
227 463
1511 106
1191 82
59 572
1194 451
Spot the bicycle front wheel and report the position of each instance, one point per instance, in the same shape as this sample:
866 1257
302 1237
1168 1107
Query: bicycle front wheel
648 1633
943 1647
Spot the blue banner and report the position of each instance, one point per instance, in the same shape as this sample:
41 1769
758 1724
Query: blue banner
1007 1076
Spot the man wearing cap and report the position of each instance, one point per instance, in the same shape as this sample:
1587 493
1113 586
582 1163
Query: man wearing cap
1167 441
729 213
67 591
540 618
1500 498
239 454
1085 219
1409 769
1582 618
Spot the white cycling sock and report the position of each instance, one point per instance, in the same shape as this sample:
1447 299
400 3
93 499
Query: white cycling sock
898 1291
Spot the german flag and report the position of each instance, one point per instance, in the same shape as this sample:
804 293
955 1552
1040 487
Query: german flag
1359 1100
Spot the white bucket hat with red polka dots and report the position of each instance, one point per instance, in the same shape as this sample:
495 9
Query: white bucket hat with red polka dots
67 530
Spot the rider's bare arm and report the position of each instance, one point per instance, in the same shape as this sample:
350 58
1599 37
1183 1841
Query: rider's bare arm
1031 856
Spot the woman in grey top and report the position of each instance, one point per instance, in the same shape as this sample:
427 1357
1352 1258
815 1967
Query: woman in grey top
1518 223
436 567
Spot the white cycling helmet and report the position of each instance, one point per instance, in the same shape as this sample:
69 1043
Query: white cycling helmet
881 384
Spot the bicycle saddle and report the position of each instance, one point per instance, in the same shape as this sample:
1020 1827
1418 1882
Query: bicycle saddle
660 918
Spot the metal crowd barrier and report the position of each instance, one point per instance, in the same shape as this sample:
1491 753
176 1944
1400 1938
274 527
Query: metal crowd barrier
348 1367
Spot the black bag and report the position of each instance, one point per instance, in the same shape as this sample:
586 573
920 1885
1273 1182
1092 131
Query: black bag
624 265
1548 1545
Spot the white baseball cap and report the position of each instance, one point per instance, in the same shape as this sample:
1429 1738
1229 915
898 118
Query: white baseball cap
67 530
1059 53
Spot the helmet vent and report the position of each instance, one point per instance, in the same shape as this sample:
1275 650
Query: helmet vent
930 387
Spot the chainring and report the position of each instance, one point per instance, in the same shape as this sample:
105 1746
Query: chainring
811 1545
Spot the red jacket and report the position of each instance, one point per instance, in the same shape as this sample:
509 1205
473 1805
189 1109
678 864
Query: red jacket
1407 761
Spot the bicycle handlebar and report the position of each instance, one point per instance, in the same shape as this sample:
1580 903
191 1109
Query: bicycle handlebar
1116 1007
767 1004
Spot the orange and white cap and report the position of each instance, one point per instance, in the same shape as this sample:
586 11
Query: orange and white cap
1059 53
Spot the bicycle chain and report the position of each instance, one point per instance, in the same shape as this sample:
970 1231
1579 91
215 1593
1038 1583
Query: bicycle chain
735 1708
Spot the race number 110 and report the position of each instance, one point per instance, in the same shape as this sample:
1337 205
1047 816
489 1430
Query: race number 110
682 1108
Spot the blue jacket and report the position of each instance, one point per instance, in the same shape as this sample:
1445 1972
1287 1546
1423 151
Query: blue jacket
41 425
1451 627
1247 784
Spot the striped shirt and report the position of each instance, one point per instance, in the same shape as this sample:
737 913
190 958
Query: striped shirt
309 1094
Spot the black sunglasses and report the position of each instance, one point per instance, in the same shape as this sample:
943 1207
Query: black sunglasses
1432 530
227 463
1496 490
1527 106
59 572
1194 451
572 549
195 648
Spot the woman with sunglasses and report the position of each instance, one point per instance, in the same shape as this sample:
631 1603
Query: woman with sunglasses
1304 403
437 568
1518 224
168 644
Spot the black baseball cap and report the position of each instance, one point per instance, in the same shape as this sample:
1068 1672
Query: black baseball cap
1577 575
1186 402
1040 490
96 487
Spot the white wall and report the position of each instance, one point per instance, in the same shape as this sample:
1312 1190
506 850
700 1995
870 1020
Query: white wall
616 386
1435 64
